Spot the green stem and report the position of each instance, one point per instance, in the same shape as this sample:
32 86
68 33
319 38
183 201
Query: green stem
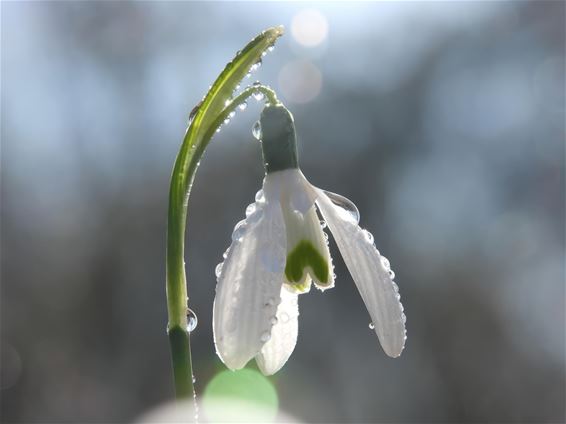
181 182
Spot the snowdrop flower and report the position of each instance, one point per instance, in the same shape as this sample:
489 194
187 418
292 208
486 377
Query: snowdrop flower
281 248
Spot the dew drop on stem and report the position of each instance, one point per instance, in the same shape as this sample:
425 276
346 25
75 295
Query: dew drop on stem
192 320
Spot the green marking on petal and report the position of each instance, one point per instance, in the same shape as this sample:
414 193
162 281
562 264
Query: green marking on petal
303 255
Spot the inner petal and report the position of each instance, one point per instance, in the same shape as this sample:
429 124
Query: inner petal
308 256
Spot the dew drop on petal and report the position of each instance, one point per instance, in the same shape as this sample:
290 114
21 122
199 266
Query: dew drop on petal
227 102
242 106
218 129
391 274
250 209
371 326
259 196
368 236
385 263
226 121
256 130
346 205
271 48
323 223
239 231
265 336
218 269
232 114
192 320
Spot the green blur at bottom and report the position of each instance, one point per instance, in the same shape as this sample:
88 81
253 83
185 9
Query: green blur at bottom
240 396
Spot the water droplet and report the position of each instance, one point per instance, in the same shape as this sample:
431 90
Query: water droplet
256 130
232 114
368 236
237 87
274 320
192 320
346 205
391 274
265 336
242 106
218 129
258 95
194 111
250 209
218 269
226 121
284 317
371 326
227 102
271 48
256 66
256 84
404 319
194 379
259 196
264 53
225 254
239 231
385 263
323 223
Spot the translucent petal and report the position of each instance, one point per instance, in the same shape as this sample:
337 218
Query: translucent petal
249 286
379 292
283 339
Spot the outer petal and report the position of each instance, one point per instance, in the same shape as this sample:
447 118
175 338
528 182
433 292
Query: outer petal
371 274
283 339
249 285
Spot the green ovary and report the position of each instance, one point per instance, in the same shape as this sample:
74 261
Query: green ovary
303 255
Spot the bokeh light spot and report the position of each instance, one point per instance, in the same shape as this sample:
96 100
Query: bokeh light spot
300 81
309 27
240 396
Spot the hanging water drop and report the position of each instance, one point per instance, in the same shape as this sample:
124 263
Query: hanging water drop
218 129
391 274
227 102
232 114
226 121
256 131
271 48
385 263
242 106
350 210
256 66
192 320
258 95
371 326
323 223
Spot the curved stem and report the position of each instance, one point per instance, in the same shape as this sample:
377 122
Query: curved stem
182 179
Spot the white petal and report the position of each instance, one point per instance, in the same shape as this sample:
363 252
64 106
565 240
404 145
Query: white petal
283 339
249 285
370 273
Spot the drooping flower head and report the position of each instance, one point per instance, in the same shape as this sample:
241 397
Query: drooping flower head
280 249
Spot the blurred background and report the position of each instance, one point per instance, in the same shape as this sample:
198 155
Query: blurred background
442 121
